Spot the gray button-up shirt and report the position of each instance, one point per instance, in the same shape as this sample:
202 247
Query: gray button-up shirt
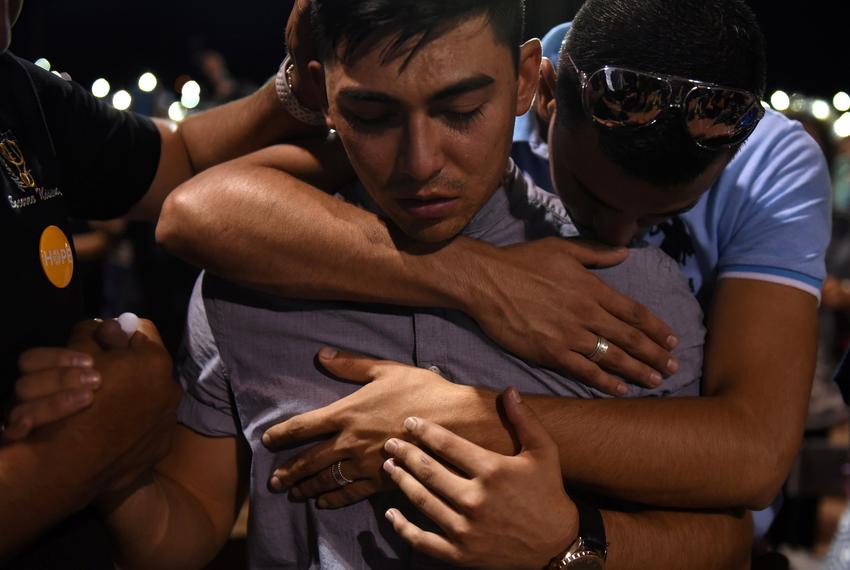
249 363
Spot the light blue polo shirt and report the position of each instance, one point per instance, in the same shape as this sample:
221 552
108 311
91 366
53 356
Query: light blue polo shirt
768 216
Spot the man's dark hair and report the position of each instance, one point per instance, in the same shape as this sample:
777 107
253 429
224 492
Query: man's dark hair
357 25
717 41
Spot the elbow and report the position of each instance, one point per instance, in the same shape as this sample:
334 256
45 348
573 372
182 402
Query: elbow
766 472
175 226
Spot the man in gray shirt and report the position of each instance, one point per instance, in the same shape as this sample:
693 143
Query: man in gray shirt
428 133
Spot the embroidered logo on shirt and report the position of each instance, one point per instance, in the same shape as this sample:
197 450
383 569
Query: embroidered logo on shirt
57 259
15 162
28 192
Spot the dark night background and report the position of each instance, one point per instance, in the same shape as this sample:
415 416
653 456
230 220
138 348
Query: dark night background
807 42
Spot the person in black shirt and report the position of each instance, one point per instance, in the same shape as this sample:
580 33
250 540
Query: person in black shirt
64 153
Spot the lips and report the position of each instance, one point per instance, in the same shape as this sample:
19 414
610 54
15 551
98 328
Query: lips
428 208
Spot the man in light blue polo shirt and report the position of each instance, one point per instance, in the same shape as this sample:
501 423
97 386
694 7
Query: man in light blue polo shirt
765 219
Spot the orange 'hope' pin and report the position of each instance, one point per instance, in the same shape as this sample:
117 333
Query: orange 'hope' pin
57 259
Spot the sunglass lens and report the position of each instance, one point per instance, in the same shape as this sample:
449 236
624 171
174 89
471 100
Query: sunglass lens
720 117
619 97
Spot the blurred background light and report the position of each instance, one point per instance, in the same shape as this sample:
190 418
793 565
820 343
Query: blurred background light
122 100
147 82
842 126
100 88
780 100
820 109
841 101
176 112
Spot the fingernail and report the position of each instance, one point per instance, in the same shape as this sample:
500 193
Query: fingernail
514 395
655 379
90 378
389 465
267 439
80 398
275 483
82 361
622 389
390 515
410 424
672 365
391 446
672 341
327 353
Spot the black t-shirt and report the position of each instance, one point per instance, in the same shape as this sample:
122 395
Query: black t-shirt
62 153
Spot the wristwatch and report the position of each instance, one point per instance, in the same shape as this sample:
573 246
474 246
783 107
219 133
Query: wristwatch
589 551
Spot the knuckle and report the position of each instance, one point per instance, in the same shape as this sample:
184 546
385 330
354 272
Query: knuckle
425 475
638 314
472 502
462 532
420 500
634 338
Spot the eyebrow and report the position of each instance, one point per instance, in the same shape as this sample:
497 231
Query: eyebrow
468 85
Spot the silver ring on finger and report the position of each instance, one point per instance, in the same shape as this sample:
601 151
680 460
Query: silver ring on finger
336 473
599 352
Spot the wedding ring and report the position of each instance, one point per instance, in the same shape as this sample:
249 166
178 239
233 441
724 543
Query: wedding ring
336 473
599 351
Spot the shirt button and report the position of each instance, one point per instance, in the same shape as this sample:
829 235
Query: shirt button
435 370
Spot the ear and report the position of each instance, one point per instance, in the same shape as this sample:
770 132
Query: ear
317 77
530 54
544 104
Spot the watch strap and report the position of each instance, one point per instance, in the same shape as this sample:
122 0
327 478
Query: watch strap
283 87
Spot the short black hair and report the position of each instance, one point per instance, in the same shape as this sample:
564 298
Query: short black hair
357 25
717 41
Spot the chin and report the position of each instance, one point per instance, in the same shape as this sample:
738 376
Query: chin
434 232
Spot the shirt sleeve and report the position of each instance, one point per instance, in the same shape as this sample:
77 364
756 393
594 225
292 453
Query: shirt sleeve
108 158
779 227
207 404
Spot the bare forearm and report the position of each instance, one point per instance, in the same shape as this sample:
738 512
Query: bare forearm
685 452
239 127
35 496
680 453
163 526
674 540
273 232
216 136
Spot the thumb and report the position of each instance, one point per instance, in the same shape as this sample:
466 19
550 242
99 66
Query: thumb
532 436
594 254
109 335
349 366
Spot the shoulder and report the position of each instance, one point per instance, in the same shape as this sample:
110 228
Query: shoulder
654 279
543 212
779 156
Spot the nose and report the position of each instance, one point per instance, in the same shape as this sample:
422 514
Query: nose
615 230
422 156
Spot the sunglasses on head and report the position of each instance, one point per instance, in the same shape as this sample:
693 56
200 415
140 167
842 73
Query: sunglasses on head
715 116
